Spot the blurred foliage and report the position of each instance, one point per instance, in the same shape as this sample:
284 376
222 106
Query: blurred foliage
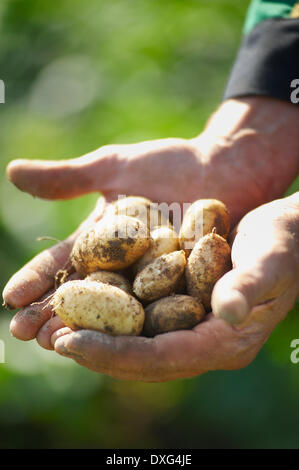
83 74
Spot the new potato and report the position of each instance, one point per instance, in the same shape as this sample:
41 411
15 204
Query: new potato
160 277
93 305
113 243
200 219
163 240
177 312
210 259
139 207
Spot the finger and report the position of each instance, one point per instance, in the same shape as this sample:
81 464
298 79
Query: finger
66 178
27 322
38 276
168 356
43 336
212 345
58 333
130 358
238 291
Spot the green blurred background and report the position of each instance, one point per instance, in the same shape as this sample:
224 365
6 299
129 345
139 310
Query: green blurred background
79 75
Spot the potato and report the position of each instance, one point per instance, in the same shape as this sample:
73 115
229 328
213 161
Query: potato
140 207
163 240
111 278
210 259
112 244
200 219
177 312
93 305
160 277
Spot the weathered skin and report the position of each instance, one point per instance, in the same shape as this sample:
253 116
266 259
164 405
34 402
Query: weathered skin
113 243
176 312
159 278
96 306
200 219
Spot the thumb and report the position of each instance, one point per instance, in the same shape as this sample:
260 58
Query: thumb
66 178
241 289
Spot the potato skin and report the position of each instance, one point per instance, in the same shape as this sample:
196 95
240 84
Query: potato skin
112 244
200 219
210 259
159 278
177 312
163 240
142 208
97 306
111 278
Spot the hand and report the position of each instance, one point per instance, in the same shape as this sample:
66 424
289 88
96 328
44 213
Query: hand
248 143
244 158
255 296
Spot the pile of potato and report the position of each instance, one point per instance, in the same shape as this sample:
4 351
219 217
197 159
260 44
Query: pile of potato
141 277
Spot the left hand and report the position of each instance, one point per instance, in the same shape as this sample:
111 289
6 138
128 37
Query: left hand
253 298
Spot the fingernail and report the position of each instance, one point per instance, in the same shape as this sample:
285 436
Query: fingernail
66 352
59 334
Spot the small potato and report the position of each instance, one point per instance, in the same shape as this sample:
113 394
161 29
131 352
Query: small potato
112 244
210 259
113 279
177 312
200 219
163 240
159 278
96 306
140 207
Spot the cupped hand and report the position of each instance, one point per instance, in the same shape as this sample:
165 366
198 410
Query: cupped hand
244 158
248 302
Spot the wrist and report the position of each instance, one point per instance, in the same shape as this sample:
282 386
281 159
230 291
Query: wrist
274 119
260 136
